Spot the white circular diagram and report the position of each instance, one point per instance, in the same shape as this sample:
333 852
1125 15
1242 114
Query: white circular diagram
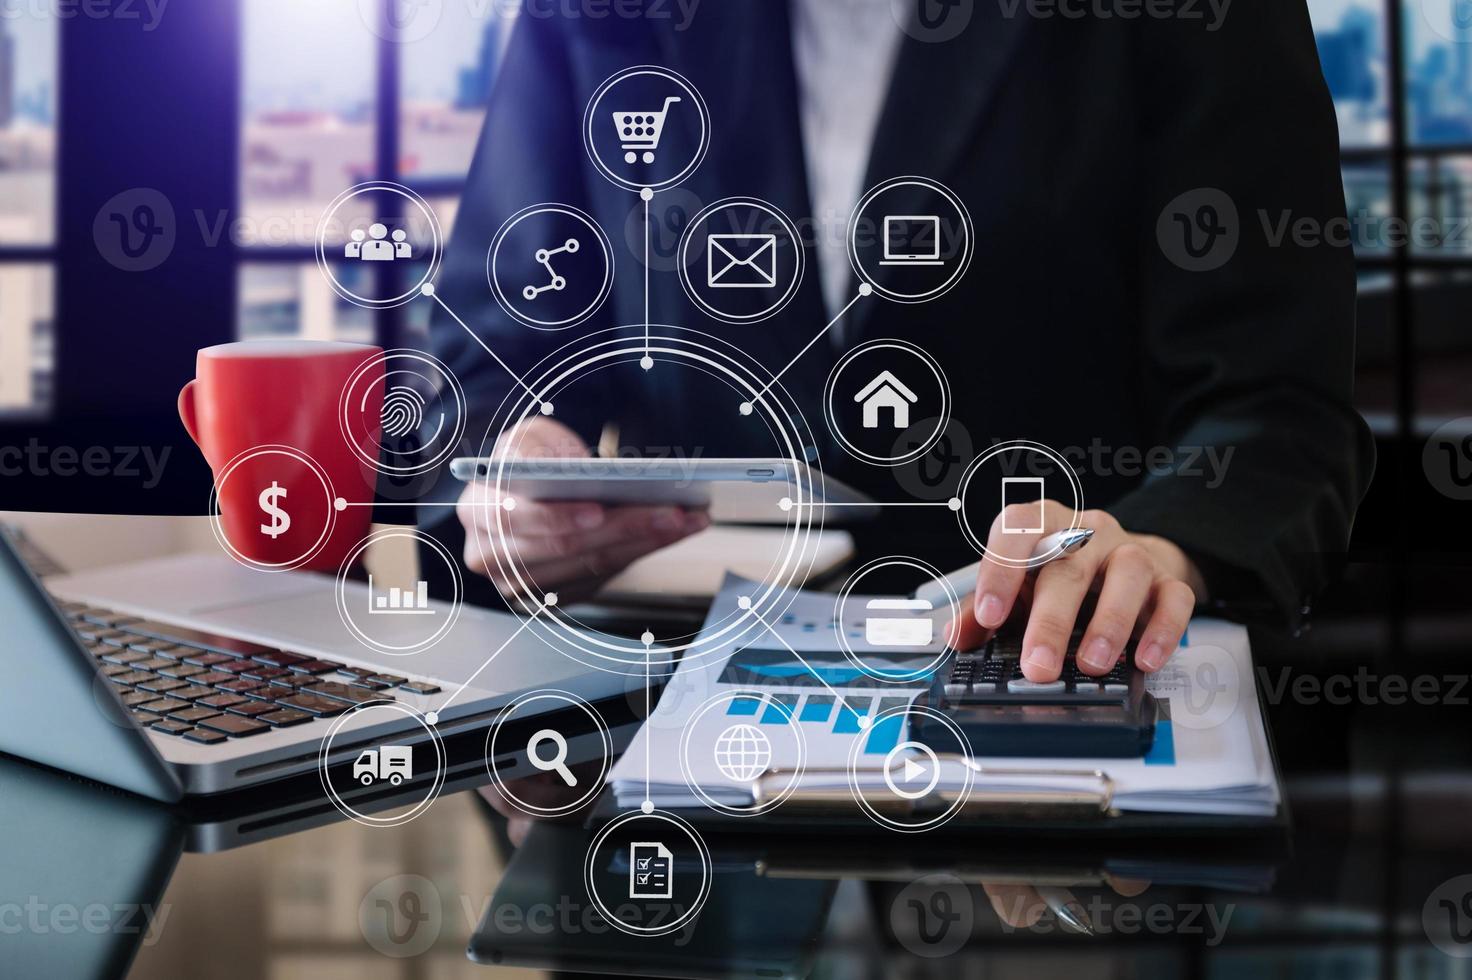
295 509
911 239
1010 483
397 620
646 128
741 260
887 402
728 731
903 633
777 416
651 866
387 764
911 770
546 751
410 424
550 266
374 238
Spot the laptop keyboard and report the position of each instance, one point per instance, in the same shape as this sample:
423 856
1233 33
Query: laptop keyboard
208 688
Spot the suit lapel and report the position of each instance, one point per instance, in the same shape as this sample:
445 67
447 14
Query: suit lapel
936 101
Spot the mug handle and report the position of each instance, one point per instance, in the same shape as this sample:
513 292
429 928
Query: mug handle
186 410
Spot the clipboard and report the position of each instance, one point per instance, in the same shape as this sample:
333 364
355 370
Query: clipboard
1026 814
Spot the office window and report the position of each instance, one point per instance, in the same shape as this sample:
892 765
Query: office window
294 299
28 53
313 126
308 119
1438 72
1351 37
444 82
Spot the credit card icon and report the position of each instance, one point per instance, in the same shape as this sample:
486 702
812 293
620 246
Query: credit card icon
899 623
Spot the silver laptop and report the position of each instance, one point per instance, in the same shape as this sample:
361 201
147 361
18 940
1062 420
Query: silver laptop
194 675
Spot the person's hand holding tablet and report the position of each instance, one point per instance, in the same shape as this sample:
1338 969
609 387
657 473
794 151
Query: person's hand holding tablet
1143 586
567 547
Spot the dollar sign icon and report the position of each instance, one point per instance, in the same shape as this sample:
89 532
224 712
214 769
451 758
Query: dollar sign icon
270 501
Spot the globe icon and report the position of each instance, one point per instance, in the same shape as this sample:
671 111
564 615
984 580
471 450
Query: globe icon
743 753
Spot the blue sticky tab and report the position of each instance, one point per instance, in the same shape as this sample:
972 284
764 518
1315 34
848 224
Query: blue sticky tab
816 710
743 706
1163 752
848 720
885 734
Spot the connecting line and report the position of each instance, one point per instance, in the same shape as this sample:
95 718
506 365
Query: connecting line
870 503
838 698
471 680
647 709
456 317
646 273
766 387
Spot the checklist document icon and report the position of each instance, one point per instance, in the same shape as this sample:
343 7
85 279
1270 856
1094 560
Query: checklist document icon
649 870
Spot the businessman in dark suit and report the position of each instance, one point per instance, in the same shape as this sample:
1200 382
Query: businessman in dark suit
1080 319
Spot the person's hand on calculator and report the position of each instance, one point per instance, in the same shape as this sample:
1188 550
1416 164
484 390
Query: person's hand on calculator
570 548
1144 589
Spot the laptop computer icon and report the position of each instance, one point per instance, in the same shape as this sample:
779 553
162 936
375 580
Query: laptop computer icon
912 239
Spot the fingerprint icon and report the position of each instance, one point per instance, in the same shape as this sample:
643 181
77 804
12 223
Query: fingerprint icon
403 411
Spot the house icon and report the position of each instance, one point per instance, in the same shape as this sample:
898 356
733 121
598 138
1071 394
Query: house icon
886 391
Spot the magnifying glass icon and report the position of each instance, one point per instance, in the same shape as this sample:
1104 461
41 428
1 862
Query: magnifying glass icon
558 762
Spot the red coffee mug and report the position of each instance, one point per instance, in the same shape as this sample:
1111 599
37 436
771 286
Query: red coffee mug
267 416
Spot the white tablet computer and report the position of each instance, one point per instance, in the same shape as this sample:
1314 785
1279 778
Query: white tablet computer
747 491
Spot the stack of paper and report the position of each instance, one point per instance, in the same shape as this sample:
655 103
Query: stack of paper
789 697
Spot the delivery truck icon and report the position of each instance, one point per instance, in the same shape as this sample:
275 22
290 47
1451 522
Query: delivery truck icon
392 762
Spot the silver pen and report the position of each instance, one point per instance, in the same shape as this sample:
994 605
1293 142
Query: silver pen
1069 910
962 582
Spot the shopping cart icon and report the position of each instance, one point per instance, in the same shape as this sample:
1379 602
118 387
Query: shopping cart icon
640 130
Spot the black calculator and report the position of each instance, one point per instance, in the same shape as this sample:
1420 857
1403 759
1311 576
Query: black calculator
1002 713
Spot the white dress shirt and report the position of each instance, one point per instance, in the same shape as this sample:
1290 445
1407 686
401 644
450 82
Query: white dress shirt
844 51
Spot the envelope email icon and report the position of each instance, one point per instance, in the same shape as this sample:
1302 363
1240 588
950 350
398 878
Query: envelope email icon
741 261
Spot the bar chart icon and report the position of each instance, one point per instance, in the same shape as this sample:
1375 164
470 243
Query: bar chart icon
399 602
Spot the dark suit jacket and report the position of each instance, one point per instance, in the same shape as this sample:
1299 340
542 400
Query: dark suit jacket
1066 139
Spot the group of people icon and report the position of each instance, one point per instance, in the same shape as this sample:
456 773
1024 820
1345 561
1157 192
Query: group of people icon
376 248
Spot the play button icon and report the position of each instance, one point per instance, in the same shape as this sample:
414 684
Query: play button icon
911 770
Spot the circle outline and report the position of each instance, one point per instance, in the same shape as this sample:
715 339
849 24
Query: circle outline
1032 561
839 604
756 809
457 600
550 326
938 819
687 238
436 244
706 867
216 513
911 180
345 406
594 785
363 818
589 140
608 346
943 419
